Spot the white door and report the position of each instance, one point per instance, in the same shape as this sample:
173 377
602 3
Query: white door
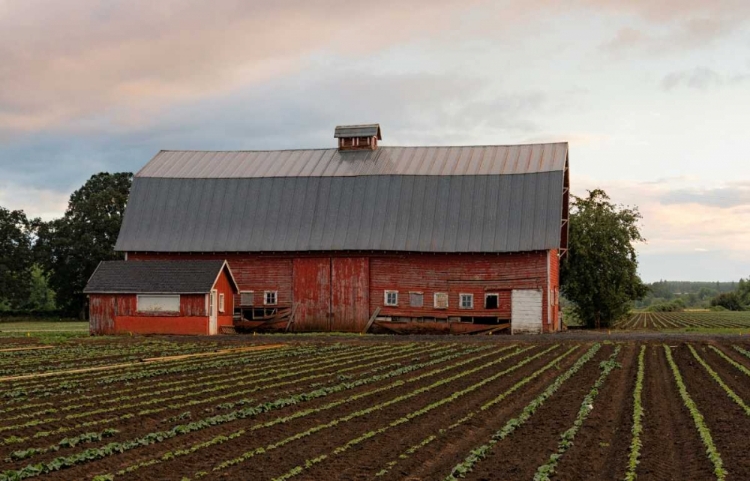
212 313
526 311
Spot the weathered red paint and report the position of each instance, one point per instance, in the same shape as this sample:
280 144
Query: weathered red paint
118 313
554 290
335 289
312 293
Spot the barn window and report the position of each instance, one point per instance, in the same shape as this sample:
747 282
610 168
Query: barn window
466 301
441 300
158 303
221 302
269 298
391 298
491 301
247 298
416 299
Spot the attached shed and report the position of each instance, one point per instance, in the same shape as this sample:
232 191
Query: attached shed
161 297
448 239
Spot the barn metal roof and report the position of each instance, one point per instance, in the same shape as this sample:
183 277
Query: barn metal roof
152 277
418 213
428 161
349 131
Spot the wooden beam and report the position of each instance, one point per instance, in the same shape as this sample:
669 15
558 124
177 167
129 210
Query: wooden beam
372 319
33 348
291 317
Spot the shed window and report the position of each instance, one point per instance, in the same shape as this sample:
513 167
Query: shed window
466 301
441 300
391 298
247 298
159 303
416 299
221 302
269 298
491 301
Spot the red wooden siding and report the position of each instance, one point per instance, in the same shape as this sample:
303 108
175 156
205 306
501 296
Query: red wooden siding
224 286
312 293
350 296
554 290
102 310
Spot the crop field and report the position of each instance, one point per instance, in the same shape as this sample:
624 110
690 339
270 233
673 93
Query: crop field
685 320
282 408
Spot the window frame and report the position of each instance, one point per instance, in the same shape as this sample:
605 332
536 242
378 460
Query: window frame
421 297
435 300
275 298
490 294
247 292
138 303
468 295
221 302
385 298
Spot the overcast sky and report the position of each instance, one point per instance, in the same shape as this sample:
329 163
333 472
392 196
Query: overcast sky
653 95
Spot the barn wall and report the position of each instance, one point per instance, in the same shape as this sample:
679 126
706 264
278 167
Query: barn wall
111 314
554 290
224 286
427 273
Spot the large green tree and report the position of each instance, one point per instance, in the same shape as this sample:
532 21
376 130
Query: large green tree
70 248
16 259
599 274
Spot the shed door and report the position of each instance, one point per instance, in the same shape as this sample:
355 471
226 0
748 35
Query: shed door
212 312
350 293
312 293
102 309
526 311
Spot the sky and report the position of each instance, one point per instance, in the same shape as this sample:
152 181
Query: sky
653 96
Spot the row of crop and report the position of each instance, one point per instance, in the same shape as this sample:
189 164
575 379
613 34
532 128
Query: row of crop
481 452
68 384
363 412
731 361
256 386
486 406
207 387
319 393
637 430
157 437
546 470
698 420
69 442
299 469
715 376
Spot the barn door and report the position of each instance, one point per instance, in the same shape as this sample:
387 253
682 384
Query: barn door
526 311
102 310
350 293
312 293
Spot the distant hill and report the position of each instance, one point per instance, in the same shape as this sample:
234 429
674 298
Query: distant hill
694 294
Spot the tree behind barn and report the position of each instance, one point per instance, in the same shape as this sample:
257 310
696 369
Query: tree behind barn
15 258
599 275
71 247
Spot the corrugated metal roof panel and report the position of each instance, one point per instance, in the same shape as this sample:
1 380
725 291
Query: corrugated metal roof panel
349 131
477 160
375 212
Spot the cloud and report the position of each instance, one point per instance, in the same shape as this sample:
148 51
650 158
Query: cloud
733 194
44 203
701 78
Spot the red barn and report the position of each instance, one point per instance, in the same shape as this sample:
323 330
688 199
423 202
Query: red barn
453 239
161 297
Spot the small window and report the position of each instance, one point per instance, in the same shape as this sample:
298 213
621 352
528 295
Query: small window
416 299
391 298
491 301
155 303
247 298
269 298
441 300
466 301
221 302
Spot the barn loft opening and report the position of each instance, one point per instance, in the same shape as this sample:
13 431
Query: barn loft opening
358 137
491 301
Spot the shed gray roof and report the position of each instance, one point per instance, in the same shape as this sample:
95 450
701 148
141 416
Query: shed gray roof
151 277
410 199
349 131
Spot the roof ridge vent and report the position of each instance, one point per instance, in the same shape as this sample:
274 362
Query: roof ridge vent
358 137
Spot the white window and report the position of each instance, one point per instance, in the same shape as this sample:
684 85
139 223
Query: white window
221 302
491 301
158 303
247 298
441 300
466 301
416 299
269 298
391 298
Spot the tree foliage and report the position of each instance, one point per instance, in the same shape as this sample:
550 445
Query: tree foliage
16 258
70 248
737 300
599 274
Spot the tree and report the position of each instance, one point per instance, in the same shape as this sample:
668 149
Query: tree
16 258
599 274
70 248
